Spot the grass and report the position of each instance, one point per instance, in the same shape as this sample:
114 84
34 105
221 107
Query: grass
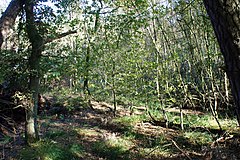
55 145
111 149
198 138
68 99
146 144
130 120
106 145
192 120
87 132
51 150
125 138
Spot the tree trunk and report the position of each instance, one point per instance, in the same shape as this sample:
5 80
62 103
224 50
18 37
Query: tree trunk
86 72
224 15
7 20
37 44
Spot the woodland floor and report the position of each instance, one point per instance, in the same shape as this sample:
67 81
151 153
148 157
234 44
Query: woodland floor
97 135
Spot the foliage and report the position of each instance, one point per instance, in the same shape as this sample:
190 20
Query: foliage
160 55
131 52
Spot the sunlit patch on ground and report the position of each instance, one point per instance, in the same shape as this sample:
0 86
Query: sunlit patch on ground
93 134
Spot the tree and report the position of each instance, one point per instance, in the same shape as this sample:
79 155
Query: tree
134 50
37 44
35 30
7 22
8 18
37 40
225 19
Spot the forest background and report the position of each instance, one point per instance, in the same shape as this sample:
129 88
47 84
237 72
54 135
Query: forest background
155 54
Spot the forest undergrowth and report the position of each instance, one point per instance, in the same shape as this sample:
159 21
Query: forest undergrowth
84 133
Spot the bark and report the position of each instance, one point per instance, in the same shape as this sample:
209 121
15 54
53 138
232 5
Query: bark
37 44
225 18
7 20
86 73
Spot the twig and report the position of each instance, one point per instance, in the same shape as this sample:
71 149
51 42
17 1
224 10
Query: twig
222 140
186 154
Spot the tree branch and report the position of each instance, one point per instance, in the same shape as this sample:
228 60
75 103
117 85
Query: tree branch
61 35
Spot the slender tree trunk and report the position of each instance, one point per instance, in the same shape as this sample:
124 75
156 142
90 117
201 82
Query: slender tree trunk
224 15
87 66
36 41
86 73
7 20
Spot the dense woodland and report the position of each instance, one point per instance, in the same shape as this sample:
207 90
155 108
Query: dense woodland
119 79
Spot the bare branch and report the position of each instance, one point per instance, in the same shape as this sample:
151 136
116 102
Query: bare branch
61 35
